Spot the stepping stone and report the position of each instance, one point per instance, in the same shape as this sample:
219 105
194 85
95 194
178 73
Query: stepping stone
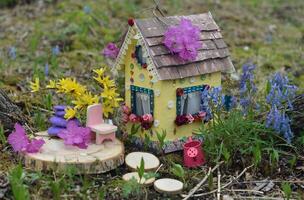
60 113
53 131
133 160
58 121
59 108
168 186
143 181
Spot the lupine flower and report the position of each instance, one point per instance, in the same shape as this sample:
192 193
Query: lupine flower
281 91
55 50
12 52
21 143
247 88
46 69
110 51
76 135
183 40
87 9
280 122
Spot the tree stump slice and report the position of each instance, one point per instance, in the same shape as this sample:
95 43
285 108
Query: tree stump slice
143 181
168 186
133 160
56 156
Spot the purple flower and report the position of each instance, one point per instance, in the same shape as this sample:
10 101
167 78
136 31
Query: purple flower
183 40
76 135
46 69
12 53
111 51
55 50
247 88
87 9
21 143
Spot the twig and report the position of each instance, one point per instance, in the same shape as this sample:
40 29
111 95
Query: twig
226 185
158 8
158 168
274 181
243 190
202 181
265 197
44 110
218 184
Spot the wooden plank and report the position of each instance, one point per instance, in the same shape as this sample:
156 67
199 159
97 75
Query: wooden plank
187 70
153 27
171 60
164 73
205 35
220 43
162 50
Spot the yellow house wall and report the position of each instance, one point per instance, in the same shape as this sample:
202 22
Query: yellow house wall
167 89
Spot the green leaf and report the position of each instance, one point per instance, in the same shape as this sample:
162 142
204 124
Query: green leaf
268 87
178 171
19 190
141 168
134 129
2 136
286 187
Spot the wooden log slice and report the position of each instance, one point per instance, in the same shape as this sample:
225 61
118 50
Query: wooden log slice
168 185
143 181
133 160
56 156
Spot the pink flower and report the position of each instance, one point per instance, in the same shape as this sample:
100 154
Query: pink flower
190 118
110 51
76 135
202 114
21 143
126 110
147 118
133 118
183 39
125 118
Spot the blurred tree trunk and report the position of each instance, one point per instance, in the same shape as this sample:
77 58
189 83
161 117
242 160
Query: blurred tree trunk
297 115
10 113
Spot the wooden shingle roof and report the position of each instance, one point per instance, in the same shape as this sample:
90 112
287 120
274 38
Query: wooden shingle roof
213 56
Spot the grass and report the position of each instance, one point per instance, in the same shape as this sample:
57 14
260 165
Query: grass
269 33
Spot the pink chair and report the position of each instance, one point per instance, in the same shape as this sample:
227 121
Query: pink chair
96 123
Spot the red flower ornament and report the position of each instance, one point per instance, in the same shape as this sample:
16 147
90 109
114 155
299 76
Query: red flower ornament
131 22
179 92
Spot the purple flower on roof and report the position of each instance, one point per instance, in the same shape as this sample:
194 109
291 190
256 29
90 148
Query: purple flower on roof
21 143
76 135
110 51
183 40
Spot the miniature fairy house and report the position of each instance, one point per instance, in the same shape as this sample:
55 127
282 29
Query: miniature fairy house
158 83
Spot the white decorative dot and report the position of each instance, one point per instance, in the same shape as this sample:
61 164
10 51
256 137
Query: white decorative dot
192 79
170 104
156 123
157 92
141 77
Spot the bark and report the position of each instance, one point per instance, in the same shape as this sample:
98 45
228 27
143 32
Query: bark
10 113
297 115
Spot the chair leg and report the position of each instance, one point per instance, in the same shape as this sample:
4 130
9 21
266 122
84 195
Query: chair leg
100 138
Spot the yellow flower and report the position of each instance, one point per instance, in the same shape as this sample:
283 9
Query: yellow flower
51 85
109 93
100 71
106 82
107 109
70 113
84 100
35 86
70 86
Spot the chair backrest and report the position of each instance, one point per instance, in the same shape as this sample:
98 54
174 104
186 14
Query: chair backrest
94 115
